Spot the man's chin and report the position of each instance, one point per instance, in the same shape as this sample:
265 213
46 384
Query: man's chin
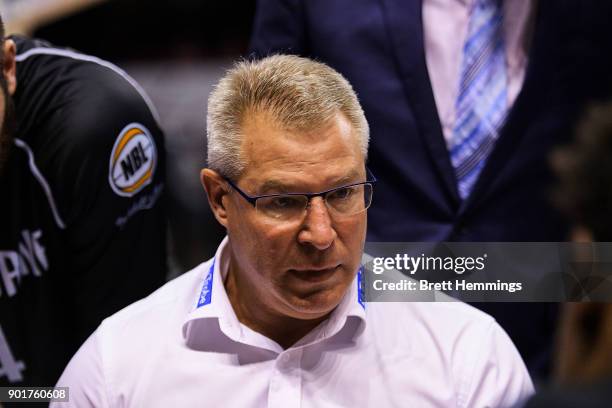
313 305
312 294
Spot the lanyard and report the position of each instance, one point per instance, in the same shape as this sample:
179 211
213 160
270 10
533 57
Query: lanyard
206 292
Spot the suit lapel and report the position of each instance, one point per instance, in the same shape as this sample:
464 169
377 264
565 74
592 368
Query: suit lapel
405 26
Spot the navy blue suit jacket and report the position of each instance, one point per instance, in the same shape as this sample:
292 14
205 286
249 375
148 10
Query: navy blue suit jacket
378 46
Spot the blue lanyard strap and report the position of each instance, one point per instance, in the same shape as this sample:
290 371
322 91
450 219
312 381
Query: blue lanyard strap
205 294
360 288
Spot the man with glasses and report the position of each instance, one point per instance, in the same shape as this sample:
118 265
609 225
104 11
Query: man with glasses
276 318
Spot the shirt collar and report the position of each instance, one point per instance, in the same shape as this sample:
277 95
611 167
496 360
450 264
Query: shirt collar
211 301
211 304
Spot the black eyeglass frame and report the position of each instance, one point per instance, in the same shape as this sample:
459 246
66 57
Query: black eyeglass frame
253 199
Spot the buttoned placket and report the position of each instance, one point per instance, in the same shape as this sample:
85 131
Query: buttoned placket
285 389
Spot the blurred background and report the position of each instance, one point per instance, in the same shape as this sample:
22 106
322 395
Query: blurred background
177 50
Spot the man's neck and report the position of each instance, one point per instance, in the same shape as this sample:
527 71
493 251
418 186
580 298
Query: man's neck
256 315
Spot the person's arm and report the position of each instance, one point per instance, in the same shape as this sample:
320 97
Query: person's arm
108 177
84 378
279 27
499 377
24 17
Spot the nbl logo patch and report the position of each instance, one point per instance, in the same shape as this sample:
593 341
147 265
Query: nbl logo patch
133 160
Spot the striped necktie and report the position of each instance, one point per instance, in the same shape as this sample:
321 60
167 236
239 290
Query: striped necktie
481 104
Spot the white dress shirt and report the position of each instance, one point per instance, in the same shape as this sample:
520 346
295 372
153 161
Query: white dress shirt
445 26
184 347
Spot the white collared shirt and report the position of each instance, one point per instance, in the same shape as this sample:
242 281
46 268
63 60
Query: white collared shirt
183 346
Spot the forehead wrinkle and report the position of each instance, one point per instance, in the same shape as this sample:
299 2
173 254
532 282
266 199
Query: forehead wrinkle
272 158
274 153
282 186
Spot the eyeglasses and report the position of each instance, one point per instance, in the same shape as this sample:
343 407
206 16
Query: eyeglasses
341 201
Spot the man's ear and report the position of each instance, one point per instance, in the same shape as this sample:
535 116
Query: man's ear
9 67
216 190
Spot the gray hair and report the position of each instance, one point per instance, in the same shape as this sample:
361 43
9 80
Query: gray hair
299 93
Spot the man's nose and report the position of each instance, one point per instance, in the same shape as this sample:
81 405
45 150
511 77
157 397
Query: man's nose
317 229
